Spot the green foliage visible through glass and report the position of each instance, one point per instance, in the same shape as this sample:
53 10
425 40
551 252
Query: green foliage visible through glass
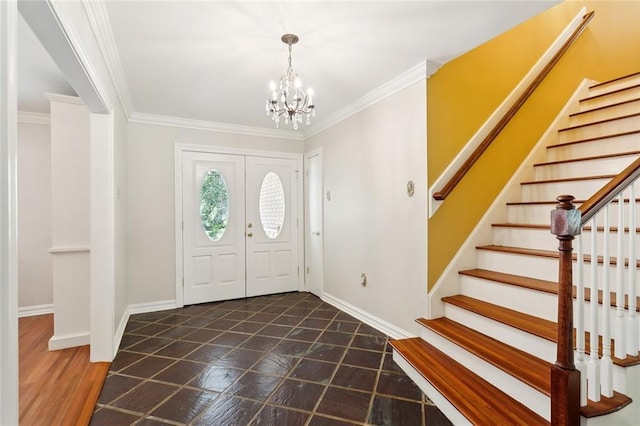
214 205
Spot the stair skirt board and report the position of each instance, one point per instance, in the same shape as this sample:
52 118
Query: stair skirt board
443 404
518 390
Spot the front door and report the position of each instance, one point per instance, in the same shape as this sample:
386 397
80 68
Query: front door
272 226
240 226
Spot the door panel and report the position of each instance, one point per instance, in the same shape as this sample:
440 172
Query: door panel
271 225
214 262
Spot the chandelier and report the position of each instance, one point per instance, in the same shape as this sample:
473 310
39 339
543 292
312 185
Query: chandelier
290 100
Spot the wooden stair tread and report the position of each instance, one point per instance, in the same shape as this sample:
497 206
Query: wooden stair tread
555 202
516 280
539 285
596 138
527 368
595 123
546 253
622 89
612 229
542 328
615 80
601 108
571 179
536 326
475 398
593 157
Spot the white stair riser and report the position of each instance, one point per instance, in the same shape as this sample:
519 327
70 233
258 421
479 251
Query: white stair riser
436 397
540 214
600 101
613 111
525 394
612 86
542 239
607 146
542 268
601 129
534 345
531 302
544 191
599 166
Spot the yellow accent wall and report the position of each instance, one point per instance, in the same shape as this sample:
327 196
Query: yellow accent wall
464 92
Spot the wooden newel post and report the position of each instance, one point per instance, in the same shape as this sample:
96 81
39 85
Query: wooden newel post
565 379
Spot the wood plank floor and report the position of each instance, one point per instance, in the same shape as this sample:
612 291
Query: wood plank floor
56 387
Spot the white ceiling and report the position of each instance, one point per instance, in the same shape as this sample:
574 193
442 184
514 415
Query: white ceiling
213 60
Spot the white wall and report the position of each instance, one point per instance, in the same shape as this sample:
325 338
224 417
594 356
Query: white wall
35 274
121 249
370 224
70 216
150 199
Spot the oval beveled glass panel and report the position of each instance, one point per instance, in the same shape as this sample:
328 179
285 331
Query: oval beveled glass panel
214 205
272 205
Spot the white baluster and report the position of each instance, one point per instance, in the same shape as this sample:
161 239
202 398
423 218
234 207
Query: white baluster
593 367
606 365
581 366
619 333
632 319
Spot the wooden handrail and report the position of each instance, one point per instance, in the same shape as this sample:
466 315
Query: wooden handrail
609 191
469 162
566 222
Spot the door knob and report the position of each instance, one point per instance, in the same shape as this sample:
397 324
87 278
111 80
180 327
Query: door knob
249 234
316 233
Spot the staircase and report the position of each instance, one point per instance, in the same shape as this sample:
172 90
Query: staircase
488 359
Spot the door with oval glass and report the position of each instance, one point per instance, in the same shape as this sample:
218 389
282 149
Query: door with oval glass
240 230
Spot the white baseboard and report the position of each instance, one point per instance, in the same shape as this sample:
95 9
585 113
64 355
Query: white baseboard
142 308
117 338
375 322
69 341
30 311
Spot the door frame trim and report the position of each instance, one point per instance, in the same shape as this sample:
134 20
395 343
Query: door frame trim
181 148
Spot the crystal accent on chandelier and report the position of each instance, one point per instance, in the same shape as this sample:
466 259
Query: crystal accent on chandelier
289 99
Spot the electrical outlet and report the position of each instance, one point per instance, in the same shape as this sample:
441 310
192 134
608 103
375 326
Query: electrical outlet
363 279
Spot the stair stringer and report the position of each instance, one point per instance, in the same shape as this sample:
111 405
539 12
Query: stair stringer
448 409
466 257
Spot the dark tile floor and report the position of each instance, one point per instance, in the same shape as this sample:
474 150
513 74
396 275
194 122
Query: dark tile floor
287 359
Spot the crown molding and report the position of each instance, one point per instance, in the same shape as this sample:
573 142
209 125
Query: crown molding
98 17
25 117
64 98
187 123
432 67
404 80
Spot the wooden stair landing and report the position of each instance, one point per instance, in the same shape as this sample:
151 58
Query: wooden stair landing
475 398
